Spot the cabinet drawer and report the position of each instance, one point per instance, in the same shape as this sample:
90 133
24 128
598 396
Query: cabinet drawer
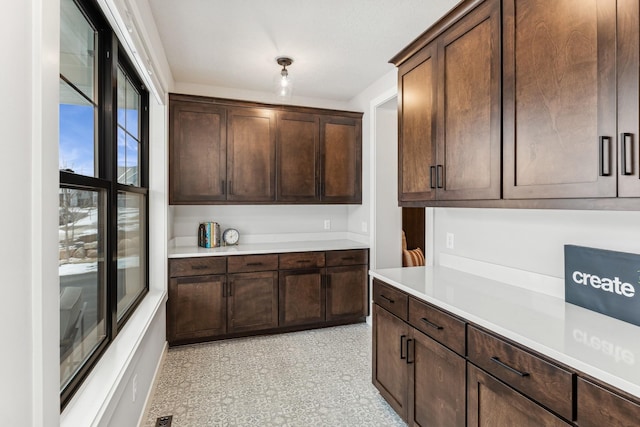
390 298
292 261
440 326
549 384
350 257
600 407
245 263
179 267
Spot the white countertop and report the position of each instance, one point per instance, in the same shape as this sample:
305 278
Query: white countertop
265 248
600 346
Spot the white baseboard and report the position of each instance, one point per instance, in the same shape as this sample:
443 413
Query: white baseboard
154 384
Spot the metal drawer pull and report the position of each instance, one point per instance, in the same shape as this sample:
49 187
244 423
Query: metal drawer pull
402 338
388 299
348 258
626 153
605 156
509 368
431 324
301 261
199 267
253 264
409 362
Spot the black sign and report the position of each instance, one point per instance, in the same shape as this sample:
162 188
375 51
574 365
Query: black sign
604 281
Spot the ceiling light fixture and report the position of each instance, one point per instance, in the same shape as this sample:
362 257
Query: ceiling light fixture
284 85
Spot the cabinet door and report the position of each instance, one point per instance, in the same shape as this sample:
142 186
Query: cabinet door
302 297
491 403
252 301
347 292
390 377
599 407
437 384
341 159
559 99
197 153
469 107
298 160
417 81
196 307
628 98
251 155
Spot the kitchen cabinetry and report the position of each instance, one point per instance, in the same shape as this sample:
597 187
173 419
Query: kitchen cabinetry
559 99
225 296
197 291
449 113
341 159
197 160
598 406
422 379
234 152
298 157
251 151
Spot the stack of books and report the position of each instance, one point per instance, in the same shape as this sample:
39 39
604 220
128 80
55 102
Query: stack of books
209 235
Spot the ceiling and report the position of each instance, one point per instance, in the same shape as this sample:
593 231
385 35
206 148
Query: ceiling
339 47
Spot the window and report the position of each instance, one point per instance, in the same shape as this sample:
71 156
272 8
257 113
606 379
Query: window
103 231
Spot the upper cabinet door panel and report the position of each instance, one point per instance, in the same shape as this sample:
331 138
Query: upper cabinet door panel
198 152
559 98
628 98
251 155
298 157
416 122
341 156
469 107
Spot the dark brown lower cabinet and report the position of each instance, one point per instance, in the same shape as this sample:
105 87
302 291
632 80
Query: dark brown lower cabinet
346 297
302 299
599 407
252 301
423 381
198 307
492 403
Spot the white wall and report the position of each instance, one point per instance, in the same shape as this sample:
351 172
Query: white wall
387 215
260 219
29 365
532 240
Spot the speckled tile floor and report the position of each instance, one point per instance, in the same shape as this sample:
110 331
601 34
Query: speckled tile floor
312 378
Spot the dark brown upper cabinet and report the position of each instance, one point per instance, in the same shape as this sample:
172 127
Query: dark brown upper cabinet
449 113
628 66
235 152
298 161
197 144
251 155
560 99
341 159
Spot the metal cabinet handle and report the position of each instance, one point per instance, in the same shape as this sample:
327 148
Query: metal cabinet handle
509 368
402 347
199 267
253 264
224 187
302 261
387 299
409 341
605 156
431 324
439 176
432 177
626 153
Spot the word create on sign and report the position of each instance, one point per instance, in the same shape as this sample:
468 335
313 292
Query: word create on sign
606 284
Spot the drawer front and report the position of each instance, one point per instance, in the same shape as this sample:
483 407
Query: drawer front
200 266
442 327
549 384
390 299
247 263
296 260
599 407
350 257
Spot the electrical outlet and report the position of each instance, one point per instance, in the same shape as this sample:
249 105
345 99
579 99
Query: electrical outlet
364 226
450 243
134 387
327 224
